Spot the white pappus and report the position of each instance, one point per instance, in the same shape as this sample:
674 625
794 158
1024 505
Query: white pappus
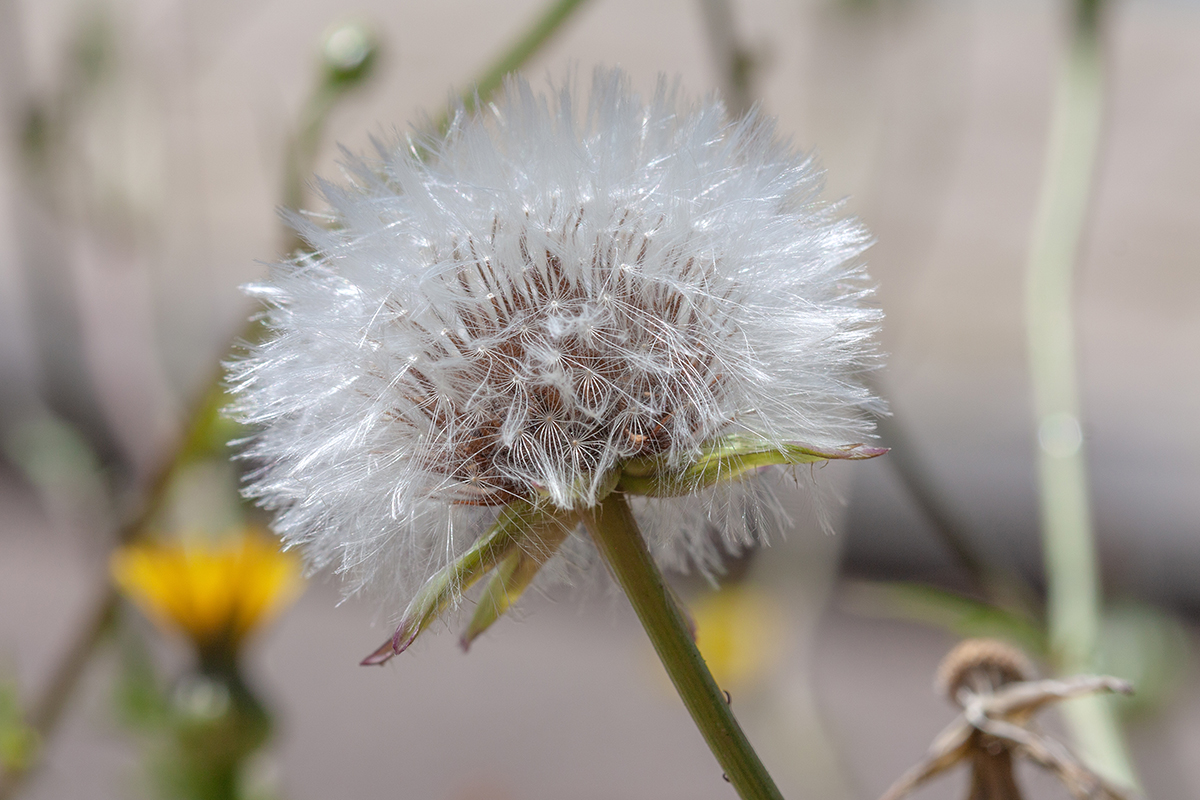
513 309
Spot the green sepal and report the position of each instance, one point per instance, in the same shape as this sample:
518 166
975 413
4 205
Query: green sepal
516 571
728 458
504 537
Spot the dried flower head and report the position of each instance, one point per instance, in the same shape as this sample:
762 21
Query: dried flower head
518 310
993 683
981 665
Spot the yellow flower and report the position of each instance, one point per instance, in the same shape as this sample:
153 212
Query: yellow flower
216 592
740 632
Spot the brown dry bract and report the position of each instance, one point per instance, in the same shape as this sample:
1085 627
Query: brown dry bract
993 684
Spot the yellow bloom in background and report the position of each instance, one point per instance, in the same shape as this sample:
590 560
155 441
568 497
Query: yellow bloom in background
740 631
216 592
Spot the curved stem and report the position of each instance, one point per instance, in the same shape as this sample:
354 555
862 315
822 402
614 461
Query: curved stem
552 18
733 60
616 534
1072 571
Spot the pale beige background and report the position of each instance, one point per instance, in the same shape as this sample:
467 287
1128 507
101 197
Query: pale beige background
930 116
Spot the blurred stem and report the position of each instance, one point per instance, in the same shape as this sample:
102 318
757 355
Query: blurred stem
525 48
616 534
47 708
300 158
1072 570
734 61
341 72
303 148
998 584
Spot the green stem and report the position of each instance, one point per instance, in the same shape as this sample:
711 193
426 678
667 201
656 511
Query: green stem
521 51
616 534
733 60
1072 571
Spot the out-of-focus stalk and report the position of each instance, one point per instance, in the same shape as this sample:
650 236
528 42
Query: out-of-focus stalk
733 61
348 57
556 13
47 708
1072 571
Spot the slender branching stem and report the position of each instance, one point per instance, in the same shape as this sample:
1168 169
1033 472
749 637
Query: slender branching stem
545 26
1072 571
734 62
619 541
998 583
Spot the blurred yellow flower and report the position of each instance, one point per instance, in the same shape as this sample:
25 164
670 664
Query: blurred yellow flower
740 631
216 592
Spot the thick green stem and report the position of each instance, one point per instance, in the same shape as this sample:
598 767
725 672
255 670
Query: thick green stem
1072 572
616 534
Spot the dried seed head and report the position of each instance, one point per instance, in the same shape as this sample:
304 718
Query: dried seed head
981 665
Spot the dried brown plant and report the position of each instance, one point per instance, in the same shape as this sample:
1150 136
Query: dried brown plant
993 683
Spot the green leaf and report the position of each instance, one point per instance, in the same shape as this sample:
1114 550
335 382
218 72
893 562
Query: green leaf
728 458
961 615
1147 646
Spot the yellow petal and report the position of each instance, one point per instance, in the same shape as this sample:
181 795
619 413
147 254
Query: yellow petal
216 592
739 631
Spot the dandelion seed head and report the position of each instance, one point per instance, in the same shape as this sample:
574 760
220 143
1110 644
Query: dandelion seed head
547 292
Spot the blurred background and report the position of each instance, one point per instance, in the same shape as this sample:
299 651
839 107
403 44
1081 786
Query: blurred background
145 147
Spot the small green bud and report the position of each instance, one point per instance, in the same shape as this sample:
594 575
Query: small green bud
348 54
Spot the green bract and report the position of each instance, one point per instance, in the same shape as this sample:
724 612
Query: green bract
527 535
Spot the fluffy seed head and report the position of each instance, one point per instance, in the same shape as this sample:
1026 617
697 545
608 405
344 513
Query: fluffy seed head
512 309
